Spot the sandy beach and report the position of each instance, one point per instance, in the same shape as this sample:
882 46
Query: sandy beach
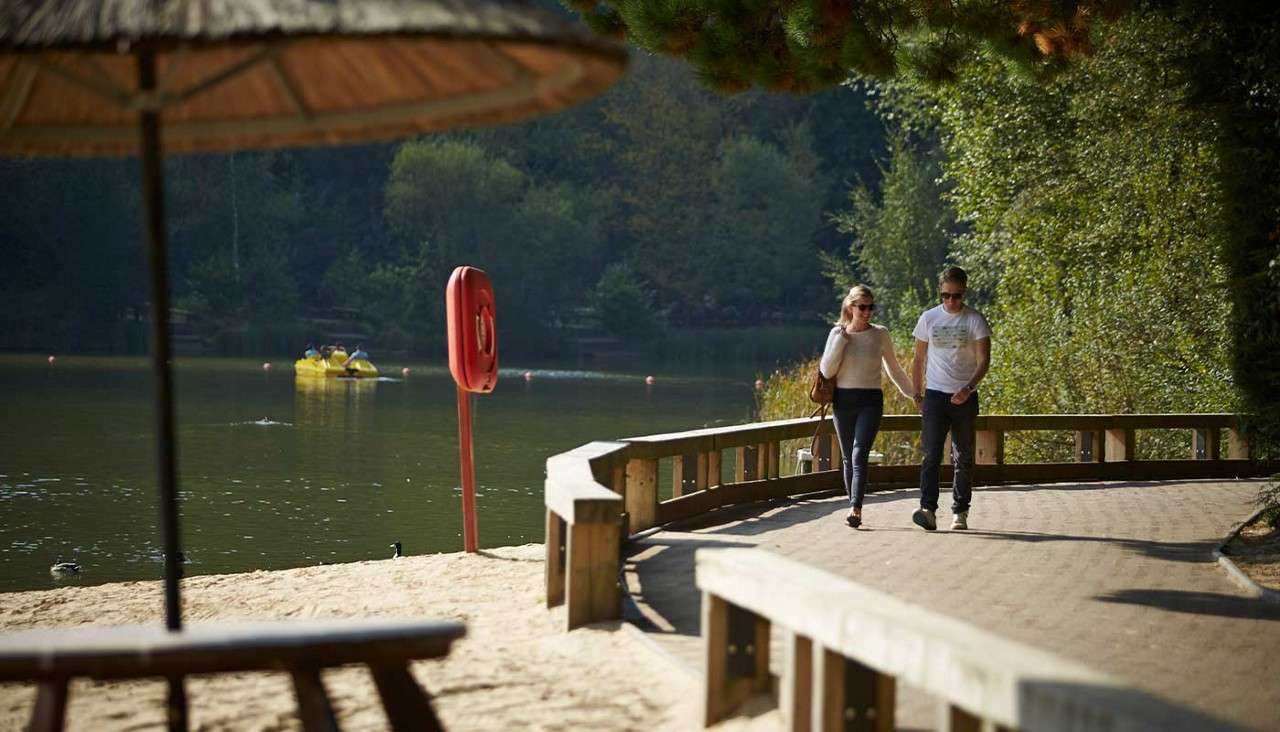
516 669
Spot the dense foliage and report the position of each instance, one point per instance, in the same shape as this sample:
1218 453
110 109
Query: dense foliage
802 45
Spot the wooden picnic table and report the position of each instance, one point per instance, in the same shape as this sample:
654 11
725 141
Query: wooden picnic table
51 657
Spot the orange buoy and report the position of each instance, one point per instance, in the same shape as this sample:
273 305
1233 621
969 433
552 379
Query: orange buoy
650 380
53 360
528 376
404 371
266 366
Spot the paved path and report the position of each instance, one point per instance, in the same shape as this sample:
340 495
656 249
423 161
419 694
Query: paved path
1119 576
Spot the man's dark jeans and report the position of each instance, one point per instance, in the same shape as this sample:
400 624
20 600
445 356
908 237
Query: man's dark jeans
857 415
940 415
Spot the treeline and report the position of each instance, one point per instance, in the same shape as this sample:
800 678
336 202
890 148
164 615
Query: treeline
660 205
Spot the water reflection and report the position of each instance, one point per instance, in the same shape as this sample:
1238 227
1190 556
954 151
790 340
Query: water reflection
332 402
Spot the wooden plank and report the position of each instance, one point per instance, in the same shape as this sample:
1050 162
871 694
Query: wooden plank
555 559
679 479
796 700
50 711
407 704
773 459
578 571
314 710
714 475
151 650
1119 445
730 494
828 685
641 499
578 500
954 719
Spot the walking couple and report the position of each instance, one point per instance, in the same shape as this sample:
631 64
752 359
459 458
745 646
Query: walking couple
952 353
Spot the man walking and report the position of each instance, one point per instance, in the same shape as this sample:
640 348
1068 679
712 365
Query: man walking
955 341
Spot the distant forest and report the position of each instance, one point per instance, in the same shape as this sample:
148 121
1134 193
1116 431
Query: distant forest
658 207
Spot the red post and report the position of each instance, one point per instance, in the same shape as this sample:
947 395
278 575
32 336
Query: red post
470 534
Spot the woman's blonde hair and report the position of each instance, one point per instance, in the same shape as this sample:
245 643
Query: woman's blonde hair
846 307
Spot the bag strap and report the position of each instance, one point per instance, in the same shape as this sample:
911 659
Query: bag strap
822 421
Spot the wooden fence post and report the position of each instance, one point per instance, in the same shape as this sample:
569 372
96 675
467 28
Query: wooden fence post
1237 445
736 656
1204 444
554 564
1119 446
849 695
1089 448
591 584
796 694
641 497
989 448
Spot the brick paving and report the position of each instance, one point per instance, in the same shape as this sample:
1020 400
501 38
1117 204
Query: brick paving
1119 576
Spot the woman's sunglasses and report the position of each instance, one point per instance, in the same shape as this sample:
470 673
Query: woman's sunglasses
864 308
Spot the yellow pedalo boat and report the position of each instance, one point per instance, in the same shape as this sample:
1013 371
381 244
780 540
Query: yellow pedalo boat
338 364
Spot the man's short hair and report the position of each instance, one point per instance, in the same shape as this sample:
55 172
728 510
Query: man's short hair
955 275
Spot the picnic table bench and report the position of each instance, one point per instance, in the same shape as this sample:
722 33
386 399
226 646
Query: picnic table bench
51 657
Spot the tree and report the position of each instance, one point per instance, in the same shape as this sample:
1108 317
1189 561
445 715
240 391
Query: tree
804 45
901 240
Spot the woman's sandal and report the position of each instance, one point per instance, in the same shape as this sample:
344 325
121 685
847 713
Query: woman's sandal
853 520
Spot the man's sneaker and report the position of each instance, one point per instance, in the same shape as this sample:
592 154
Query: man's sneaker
960 521
924 519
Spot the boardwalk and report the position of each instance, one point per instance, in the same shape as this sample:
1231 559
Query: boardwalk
1116 575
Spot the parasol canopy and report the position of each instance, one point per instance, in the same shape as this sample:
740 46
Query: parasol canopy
275 73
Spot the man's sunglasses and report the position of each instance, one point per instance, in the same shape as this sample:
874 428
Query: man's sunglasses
951 295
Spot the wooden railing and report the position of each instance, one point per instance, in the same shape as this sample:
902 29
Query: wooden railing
848 646
601 493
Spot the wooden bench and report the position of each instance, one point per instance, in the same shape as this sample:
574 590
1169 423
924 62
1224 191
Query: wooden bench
848 646
52 657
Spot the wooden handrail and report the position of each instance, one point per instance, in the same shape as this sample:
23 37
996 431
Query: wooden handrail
849 645
602 492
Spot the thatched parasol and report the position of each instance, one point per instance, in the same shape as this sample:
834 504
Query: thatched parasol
95 77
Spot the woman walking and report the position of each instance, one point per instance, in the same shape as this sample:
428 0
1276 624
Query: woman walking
855 352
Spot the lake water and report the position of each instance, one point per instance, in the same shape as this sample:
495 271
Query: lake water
277 472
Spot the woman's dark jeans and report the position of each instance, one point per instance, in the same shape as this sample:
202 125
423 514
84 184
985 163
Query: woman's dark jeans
857 415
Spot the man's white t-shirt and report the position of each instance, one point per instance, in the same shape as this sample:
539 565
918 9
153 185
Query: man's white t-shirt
953 346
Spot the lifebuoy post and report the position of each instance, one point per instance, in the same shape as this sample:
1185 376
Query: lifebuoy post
473 361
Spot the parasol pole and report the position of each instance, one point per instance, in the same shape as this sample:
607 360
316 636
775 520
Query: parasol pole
166 447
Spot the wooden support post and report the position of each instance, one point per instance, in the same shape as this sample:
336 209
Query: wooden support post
1204 444
773 455
555 558
989 447
762 461
689 473
954 719
314 710
796 701
1119 445
1237 445
850 696
407 705
641 497
1089 448
736 644
50 711
740 468
591 586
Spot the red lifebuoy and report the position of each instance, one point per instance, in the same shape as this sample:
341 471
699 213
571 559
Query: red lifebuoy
473 336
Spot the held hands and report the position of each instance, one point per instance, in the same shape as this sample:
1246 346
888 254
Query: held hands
919 400
961 396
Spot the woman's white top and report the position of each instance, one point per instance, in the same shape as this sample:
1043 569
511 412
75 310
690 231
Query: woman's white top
855 359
